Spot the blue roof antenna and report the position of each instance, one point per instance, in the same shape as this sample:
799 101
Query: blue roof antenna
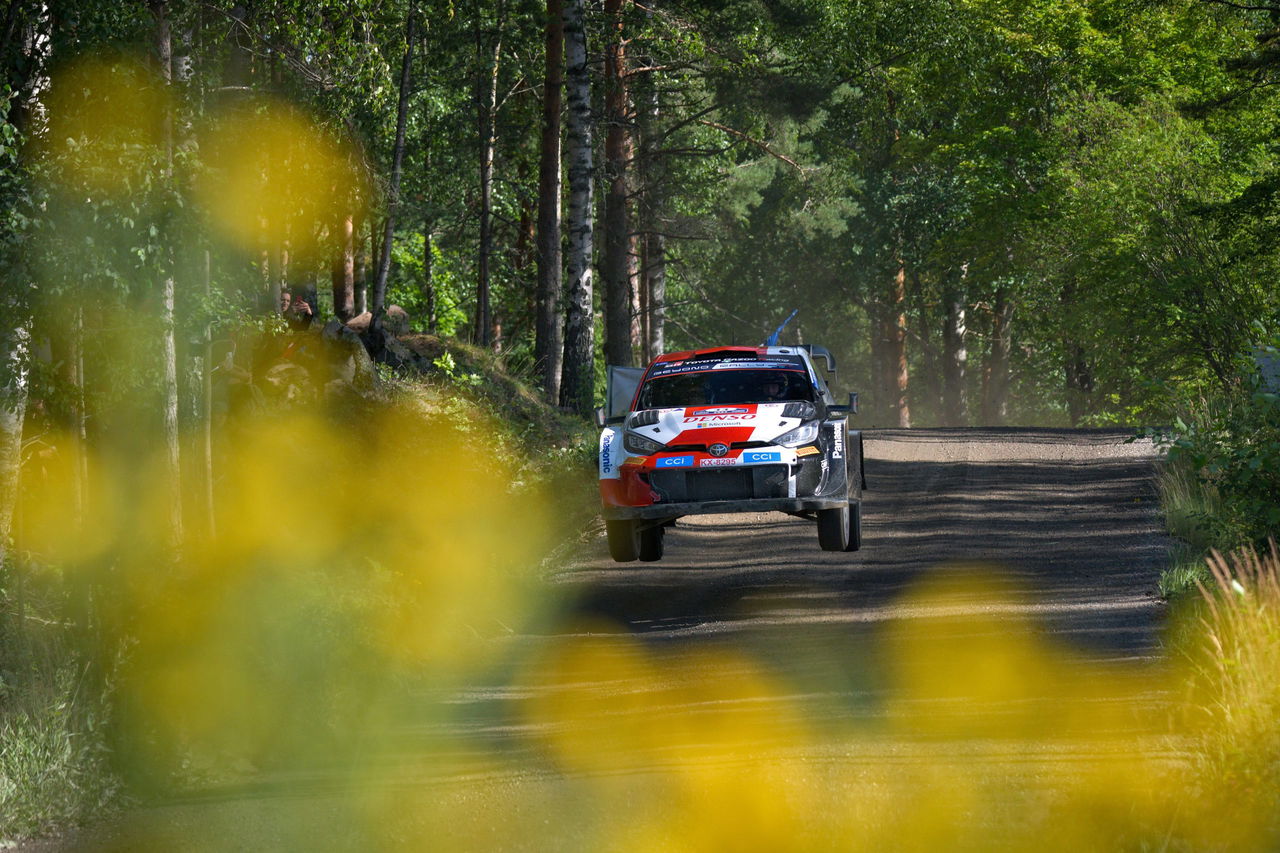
772 340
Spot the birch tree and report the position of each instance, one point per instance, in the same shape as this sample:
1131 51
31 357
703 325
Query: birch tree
549 331
577 386
378 303
169 365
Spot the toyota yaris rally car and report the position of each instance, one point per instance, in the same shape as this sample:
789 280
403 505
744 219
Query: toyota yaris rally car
723 430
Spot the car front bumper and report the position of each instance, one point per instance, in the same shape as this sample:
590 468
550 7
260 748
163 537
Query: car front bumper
675 510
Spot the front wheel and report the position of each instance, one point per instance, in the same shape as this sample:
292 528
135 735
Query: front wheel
651 543
624 540
840 529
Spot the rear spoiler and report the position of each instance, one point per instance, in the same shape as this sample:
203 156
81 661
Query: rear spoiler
821 352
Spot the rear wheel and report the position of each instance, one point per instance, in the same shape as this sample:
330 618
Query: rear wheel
833 528
840 529
624 540
651 543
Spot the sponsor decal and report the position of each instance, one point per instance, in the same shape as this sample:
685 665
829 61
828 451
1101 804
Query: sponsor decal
758 365
718 449
723 410
718 420
716 463
606 452
808 450
699 365
760 456
838 444
673 462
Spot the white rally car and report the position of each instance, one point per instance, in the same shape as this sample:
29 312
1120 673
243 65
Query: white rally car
728 429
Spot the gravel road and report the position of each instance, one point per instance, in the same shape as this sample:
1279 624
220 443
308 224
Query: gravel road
1070 514
993 542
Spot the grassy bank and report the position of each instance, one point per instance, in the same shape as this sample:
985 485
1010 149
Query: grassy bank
54 767
366 540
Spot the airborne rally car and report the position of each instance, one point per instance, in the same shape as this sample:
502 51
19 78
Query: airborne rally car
728 429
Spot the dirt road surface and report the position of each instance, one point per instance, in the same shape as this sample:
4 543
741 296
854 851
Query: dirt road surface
1021 539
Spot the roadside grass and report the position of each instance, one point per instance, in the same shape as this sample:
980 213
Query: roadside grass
1189 504
54 768
1186 569
1235 694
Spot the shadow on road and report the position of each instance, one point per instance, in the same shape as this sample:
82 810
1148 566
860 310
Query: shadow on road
1079 536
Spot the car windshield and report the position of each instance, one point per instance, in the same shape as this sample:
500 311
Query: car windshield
710 388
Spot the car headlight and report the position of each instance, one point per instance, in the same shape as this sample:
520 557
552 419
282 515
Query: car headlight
639 444
803 434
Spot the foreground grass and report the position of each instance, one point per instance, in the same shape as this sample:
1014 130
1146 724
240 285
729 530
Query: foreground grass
634 745
54 767
1236 688
357 551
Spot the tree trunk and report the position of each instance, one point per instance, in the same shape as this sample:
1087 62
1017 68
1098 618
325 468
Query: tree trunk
655 272
14 349
615 266
428 275
1079 380
486 123
548 349
169 365
365 244
577 386
995 384
25 73
881 408
206 406
344 267
1077 376
653 205
393 190
236 73
79 415
955 358
897 362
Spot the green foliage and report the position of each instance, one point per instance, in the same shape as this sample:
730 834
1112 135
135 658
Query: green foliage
1231 441
449 280
446 364
54 755
1236 447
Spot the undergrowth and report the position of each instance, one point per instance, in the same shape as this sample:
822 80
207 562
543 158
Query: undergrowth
422 474
1220 487
54 767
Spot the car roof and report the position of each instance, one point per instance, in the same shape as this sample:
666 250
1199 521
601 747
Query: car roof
731 352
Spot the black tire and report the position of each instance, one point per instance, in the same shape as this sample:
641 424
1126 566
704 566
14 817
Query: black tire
855 527
651 543
833 528
624 541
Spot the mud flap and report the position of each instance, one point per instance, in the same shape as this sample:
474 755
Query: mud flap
835 442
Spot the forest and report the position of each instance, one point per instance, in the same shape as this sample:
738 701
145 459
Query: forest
993 213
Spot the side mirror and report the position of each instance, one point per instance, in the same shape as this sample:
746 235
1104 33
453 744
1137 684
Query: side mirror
845 411
598 416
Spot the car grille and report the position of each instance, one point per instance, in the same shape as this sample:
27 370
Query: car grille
761 481
702 448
